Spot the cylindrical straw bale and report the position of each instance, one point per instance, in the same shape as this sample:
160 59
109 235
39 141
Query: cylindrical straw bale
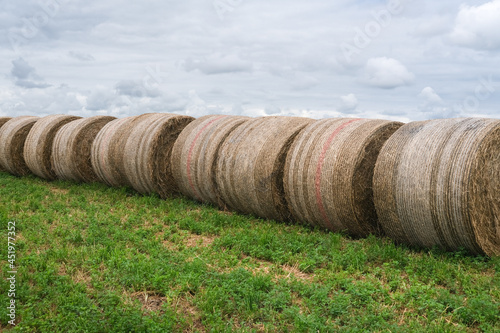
13 135
3 120
71 149
437 183
250 166
195 152
147 152
329 171
38 145
108 150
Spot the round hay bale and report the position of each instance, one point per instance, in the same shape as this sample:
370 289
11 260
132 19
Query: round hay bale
72 148
437 183
147 151
12 138
329 171
108 150
38 145
3 120
250 166
195 152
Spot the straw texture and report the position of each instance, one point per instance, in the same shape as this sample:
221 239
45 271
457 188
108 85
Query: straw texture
147 152
3 120
251 162
108 150
71 149
436 183
329 171
12 138
194 156
38 145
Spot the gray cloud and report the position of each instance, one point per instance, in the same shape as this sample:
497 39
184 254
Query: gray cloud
31 84
25 75
100 99
22 70
218 64
82 56
136 89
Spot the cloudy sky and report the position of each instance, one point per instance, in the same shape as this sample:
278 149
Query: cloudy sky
394 59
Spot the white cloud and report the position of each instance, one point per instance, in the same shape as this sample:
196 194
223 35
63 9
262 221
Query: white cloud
430 96
348 102
478 26
387 73
41 102
100 100
433 106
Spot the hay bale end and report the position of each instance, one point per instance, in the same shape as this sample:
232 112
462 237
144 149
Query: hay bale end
38 145
13 135
71 149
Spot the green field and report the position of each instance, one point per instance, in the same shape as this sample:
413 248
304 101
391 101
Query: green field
97 259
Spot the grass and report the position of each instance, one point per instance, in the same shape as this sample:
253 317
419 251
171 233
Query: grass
97 259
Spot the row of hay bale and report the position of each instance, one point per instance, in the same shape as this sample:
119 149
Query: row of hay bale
135 151
431 183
